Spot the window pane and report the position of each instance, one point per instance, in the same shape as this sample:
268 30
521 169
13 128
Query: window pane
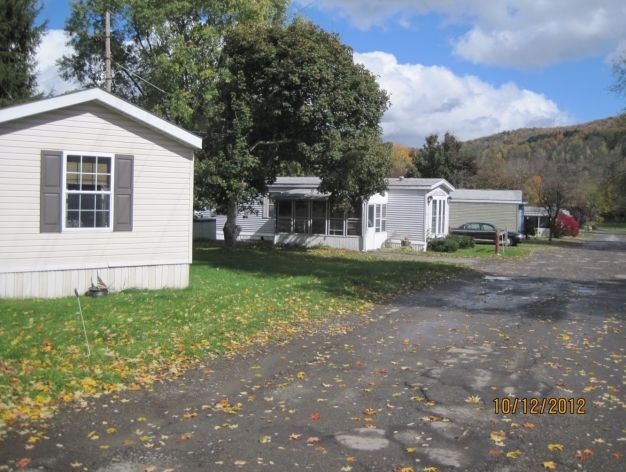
384 210
284 224
378 211
73 164
89 164
370 216
89 182
87 202
355 214
72 219
104 165
73 201
102 219
271 212
104 182
301 226
73 181
284 208
87 219
318 226
336 227
354 228
383 225
318 209
336 214
302 209
102 202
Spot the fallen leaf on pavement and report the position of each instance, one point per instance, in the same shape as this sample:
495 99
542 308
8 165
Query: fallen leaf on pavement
314 416
549 465
514 454
555 447
293 437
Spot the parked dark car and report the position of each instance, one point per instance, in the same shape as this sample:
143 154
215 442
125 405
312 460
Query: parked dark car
486 233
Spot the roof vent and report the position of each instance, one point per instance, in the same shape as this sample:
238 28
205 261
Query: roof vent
401 177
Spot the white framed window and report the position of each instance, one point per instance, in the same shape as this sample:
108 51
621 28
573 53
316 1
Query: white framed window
438 216
377 217
269 209
87 191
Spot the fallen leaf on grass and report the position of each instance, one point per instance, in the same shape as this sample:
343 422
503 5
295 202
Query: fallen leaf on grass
549 465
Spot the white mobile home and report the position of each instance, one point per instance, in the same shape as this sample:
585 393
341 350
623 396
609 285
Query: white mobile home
502 208
413 210
92 185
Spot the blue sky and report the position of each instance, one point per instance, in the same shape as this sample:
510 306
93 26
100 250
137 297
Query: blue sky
473 67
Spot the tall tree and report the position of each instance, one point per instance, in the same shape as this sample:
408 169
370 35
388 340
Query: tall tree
291 95
19 38
552 188
166 54
402 160
443 160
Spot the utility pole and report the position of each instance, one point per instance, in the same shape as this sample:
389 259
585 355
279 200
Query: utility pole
107 54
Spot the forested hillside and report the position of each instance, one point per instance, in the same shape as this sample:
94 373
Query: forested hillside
590 156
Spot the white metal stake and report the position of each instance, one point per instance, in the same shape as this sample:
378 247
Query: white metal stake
81 319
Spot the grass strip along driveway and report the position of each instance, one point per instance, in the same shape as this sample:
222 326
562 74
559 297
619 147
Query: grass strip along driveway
257 294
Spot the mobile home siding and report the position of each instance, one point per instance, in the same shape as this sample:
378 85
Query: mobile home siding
163 170
253 226
502 215
405 214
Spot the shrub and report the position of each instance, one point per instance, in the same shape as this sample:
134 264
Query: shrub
446 244
565 226
464 242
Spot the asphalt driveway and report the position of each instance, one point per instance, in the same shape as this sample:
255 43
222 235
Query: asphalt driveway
429 382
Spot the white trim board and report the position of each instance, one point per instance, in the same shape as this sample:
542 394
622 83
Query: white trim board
108 100
4 269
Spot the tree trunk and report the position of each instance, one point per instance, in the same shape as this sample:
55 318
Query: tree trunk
231 229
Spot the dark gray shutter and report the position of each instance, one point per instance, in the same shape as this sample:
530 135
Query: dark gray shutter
123 193
50 198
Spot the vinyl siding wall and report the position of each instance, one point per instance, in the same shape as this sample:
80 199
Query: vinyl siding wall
252 226
162 209
405 214
502 215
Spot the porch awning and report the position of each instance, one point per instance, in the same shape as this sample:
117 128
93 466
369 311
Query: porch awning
299 194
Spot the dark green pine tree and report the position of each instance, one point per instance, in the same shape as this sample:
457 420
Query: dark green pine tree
19 38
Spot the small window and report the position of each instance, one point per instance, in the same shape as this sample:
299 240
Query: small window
301 221
336 222
283 222
370 216
268 208
318 217
353 222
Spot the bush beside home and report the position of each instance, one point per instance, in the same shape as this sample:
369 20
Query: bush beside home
565 225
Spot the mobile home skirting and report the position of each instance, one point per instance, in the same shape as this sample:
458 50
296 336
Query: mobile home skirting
61 283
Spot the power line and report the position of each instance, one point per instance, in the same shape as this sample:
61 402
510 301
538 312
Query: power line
141 78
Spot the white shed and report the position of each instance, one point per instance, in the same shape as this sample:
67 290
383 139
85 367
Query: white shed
91 185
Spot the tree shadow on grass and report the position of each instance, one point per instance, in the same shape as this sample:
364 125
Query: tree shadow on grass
339 273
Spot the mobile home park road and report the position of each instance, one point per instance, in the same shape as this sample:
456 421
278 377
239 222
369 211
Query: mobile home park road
429 382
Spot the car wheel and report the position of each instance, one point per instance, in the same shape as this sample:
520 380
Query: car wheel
509 242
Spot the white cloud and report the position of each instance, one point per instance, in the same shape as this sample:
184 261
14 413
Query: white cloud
432 99
52 47
516 33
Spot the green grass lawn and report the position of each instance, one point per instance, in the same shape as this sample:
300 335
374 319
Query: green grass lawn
480 251
257 294
610 226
